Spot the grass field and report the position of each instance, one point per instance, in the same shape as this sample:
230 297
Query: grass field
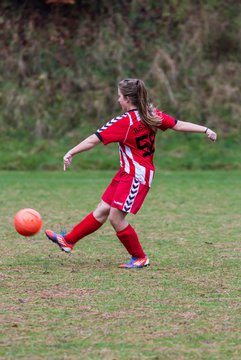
186 305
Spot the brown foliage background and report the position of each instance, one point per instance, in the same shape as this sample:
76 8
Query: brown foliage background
60 63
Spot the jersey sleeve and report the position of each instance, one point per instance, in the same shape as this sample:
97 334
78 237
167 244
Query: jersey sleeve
168 121
114 130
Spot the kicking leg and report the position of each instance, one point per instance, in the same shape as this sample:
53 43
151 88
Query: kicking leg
88 225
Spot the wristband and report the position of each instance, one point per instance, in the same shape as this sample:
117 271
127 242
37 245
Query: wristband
206 130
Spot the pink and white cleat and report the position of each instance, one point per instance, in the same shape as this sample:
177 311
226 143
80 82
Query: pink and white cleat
136 263
59 240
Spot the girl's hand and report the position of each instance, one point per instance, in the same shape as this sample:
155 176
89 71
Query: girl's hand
211 135
67 160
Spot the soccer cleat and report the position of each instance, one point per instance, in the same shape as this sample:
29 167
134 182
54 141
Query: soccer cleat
59 240
136 263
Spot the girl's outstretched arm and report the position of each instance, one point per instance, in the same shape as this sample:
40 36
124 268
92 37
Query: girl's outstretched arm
84 145
190 127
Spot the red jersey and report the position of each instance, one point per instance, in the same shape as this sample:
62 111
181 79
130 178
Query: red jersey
136 142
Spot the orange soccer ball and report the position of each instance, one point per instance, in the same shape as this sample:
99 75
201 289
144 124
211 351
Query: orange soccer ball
27 222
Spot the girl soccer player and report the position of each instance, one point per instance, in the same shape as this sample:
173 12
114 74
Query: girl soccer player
135 132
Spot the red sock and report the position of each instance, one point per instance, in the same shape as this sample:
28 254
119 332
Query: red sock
129 239
87 226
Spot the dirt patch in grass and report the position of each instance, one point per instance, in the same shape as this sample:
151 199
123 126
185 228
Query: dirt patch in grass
60 292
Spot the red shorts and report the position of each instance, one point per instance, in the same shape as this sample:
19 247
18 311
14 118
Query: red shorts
125 193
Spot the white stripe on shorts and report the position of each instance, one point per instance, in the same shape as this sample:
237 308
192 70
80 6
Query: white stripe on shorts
132 195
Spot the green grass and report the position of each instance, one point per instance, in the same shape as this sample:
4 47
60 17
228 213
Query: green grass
186 305
174 151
